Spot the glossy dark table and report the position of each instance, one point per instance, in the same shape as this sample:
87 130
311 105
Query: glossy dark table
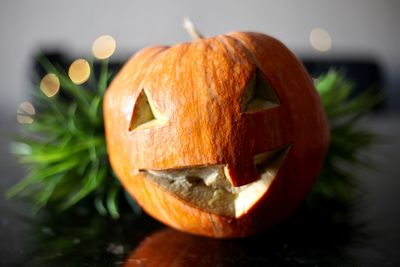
367 234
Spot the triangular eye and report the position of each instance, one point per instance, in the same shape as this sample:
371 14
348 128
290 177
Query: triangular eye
145 115
258 95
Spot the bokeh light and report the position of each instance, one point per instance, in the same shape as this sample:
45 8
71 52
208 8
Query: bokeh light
320 40
79 71
25 113
50 84
103 47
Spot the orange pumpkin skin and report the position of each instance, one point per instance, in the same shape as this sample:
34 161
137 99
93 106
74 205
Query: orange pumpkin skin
198 87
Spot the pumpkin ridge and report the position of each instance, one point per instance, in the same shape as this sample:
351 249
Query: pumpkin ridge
244 48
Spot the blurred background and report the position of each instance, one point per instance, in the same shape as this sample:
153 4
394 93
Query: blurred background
359 36
357 30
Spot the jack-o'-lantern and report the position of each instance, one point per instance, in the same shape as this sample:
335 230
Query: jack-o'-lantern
222 136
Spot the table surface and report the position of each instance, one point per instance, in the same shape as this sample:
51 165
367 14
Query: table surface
367 235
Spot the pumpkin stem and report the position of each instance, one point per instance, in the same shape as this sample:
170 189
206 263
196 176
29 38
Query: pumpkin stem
191 29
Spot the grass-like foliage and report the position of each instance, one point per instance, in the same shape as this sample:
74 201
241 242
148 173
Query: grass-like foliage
349 140
64 149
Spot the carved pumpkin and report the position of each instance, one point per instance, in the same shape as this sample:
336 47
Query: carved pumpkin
221 137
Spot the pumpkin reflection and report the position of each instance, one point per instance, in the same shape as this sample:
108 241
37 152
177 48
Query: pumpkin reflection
169 247
322 235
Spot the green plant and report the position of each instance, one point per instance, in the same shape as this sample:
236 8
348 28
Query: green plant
337 180
64 148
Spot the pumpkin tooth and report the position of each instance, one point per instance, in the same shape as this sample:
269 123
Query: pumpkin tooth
241 173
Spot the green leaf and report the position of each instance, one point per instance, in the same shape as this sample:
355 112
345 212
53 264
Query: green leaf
112 201
103 76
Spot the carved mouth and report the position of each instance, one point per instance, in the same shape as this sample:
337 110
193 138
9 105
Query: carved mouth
208 188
